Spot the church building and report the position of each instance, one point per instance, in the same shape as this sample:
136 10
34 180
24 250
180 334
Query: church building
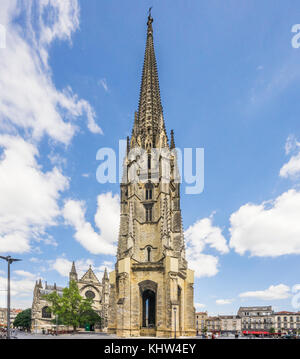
89 287
151 288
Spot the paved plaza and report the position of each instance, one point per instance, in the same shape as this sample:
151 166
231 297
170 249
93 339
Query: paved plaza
93 335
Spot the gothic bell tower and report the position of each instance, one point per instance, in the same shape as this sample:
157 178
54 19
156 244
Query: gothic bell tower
151 289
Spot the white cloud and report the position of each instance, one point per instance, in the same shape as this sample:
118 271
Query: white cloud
224 301
268 229
203 233
199 306
25 274
28 196
204 265
291 144
21 292
34 260
271 228
29 99
274 292
296 288
103 83
270 84
198 236
57 160
292 167
63 267
107 220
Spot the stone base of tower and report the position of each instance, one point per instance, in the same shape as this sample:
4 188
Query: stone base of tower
151 300
146 332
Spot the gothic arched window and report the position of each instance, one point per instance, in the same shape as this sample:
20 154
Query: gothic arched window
46 312
149 191
90 294
148 213
149 254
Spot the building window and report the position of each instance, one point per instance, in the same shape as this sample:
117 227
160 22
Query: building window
148 193
46 312
90 294
148 213
149 254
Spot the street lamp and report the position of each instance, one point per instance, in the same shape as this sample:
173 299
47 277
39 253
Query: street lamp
175 321
56 317
9 261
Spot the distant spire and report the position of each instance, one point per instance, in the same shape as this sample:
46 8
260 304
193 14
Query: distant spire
105 276
73 269
40 283
73 273
172 144
128 145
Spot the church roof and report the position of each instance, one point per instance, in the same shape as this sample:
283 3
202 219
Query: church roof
89 276
47 288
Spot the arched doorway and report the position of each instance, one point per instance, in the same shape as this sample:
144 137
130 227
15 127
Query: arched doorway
148 306
149 309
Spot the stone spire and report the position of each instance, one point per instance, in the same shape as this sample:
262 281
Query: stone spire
151 280
73 273
172 145
150 109
105 276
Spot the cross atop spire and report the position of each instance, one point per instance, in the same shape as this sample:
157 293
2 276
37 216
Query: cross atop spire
150 108
149 22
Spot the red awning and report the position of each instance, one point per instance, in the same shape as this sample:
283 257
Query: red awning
254 332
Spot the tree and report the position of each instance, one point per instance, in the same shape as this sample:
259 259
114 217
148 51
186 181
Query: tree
23 320
70 307
90 317
272 330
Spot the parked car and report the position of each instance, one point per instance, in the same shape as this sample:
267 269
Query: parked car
289 336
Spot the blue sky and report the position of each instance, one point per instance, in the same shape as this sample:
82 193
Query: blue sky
229 80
